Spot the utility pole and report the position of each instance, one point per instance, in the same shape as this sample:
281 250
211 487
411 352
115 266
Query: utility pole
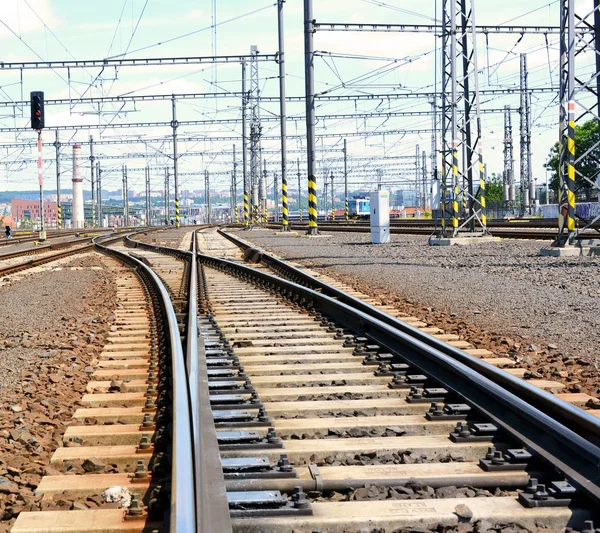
262 190
310 115
244 148
275 196
332 198
92 181
234 209
99 192
148 204
434 155
282 120
525 139
418 175
207 195
167 201
299 191
346 210
125 196
174 125
42 237
58 202
424 184
508 176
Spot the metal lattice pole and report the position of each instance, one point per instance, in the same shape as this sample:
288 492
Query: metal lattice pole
460 89
92 181
174 125
524 139
579 104
508 176
255 133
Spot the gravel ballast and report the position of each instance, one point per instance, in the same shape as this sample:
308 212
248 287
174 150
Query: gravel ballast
544 304
56 322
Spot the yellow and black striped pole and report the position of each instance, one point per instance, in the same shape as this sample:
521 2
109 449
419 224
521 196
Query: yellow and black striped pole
284 203
312 205
235 214
246 214
482 188
455 215
176 212
58 216
347 210
443 194
571 173
254 214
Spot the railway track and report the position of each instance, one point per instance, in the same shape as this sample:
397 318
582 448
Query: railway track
292 410
9 261
505 232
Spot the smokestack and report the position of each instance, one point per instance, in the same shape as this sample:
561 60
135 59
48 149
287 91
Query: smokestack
77 218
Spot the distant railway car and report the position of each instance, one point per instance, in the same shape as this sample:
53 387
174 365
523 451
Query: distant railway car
359 207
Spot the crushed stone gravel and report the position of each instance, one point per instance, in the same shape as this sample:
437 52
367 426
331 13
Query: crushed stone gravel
530 304
55 324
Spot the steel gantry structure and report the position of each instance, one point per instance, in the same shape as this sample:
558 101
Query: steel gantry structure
461 198
579 102
508 175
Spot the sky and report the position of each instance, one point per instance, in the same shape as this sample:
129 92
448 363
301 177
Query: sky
347 63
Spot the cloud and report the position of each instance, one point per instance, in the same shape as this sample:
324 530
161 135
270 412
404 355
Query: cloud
23 20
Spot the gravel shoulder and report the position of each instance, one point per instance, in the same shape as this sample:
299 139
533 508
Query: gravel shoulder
545 309
55 324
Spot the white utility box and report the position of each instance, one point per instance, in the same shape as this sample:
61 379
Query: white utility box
380 217
435 195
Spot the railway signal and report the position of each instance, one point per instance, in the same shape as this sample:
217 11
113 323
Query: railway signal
37 123
37 110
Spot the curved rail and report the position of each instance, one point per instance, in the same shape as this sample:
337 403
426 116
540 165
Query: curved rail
513 410
212 508
183 508
573 417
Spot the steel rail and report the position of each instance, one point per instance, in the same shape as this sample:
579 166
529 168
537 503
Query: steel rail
577 419
568 452
212 506
506 233
183 508
43 248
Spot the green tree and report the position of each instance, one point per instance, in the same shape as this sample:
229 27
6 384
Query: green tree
587 138
494 190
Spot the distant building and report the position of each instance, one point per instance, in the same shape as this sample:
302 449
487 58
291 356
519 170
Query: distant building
30 209
7 221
